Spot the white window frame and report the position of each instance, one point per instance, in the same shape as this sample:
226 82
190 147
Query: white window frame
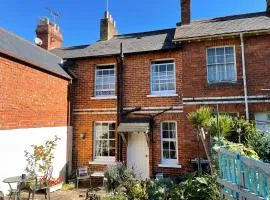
235 65
165 92
172 162
95 90
264 123
103 158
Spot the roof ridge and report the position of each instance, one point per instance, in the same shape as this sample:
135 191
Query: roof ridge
21 38
145 32
228 16
68 47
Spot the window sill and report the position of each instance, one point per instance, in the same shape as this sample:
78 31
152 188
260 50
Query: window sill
163 95
223 83
170 165
102 162
105 97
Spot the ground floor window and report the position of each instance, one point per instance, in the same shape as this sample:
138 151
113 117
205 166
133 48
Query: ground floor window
104 143
169 143
263 121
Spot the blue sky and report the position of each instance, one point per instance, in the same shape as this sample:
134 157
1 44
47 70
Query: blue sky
79 19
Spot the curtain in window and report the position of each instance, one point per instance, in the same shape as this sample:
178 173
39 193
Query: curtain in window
221 64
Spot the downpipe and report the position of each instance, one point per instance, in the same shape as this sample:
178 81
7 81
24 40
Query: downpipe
244 74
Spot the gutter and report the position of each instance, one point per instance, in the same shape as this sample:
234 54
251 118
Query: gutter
244 74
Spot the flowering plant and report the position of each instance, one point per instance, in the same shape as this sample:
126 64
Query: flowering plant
53 181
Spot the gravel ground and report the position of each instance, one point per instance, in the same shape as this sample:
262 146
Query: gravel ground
59 195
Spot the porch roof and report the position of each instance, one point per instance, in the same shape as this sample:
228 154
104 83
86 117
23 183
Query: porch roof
133 127
138 125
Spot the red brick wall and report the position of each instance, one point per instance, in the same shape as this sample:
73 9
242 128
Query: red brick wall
258 64
136 87
257 68
30 98
137 79
191 76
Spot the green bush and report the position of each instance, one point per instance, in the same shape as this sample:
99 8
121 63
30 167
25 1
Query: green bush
201 188
158 189
116 197
260 142
119 178
122 181
137 191
243 127
69 186
238 148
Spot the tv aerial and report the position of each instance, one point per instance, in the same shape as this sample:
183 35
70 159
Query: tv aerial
54 14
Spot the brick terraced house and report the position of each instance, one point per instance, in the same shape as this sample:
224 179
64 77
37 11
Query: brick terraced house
131 93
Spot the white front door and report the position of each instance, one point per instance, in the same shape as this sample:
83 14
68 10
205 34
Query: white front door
138 154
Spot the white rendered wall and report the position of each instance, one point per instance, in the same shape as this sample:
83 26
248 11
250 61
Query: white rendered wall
13 143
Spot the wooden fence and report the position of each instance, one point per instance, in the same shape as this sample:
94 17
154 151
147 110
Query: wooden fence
242 177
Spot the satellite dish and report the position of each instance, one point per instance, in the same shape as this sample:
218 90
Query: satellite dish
38 41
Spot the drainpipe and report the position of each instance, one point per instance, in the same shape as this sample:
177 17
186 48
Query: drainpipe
244 74
120 109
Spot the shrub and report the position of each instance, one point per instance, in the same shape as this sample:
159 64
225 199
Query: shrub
201 188
235 147
137 191
243 127
41 157
69 186
260 142
116 197
120 178
158 189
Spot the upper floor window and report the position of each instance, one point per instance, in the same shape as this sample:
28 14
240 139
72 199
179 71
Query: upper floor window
105 81
221 66
163 77
169 142
105 141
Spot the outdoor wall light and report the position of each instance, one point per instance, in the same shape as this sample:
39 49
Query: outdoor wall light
82 135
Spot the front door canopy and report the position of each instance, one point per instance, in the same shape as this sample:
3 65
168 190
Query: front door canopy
133 128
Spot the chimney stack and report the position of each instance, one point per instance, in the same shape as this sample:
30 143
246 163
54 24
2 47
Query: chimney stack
186 12
50 34
268 8
107 27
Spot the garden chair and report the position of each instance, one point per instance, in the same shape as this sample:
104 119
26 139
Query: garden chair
83 174
40 185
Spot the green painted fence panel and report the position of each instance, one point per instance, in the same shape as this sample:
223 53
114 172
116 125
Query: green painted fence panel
243 178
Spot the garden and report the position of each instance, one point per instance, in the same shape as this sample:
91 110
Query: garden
236 135
225 131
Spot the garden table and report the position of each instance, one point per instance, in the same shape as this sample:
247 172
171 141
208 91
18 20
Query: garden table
18 180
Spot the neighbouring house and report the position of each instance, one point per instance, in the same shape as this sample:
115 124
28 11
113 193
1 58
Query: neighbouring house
34 103
132 92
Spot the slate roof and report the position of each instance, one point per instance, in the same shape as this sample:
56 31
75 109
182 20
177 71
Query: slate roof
223 25
132 43
164 39
22 49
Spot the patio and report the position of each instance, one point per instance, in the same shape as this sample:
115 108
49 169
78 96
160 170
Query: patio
59 195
